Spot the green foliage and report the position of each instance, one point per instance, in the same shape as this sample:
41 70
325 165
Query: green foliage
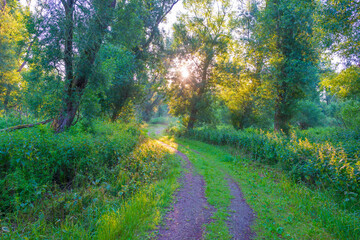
339 28
41 158
14 118
115 75
42 93
291 51
346 84
284 209
67 181
13 34
308 114
201 36
241 74
321 163
351 114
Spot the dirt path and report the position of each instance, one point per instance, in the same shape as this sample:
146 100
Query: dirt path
190 211
241 215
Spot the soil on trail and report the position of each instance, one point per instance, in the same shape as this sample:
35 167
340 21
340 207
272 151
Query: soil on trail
241 215
190 211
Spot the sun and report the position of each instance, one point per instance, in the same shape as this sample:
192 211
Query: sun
184 72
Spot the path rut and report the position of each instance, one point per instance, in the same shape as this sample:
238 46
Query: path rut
191 210
241 215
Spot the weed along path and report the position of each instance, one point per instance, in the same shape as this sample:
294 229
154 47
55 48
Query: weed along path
209 205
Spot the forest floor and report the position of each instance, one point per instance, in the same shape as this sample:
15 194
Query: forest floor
231 197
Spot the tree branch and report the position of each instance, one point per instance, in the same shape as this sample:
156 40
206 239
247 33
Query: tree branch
10 129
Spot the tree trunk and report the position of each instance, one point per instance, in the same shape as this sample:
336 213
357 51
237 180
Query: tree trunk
199 94
7 98
24 126
115 114
280 123
75 86
192 118
281 117
67 115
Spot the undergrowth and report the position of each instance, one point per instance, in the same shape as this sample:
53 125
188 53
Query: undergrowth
321 164
65 186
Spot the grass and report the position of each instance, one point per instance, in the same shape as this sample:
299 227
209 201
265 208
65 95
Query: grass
284 209
155 131
163 120
141 214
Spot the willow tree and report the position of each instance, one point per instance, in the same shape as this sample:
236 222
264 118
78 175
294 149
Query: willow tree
200 37
136 29
70 34
291 52
89 26
241 73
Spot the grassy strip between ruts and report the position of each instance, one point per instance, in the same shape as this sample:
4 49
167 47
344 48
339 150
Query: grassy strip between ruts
285 210
217 193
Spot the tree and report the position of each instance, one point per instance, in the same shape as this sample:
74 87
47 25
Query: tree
70 34
116 72
13 35
291 53
241 73
79 60
136 28
340 27
346 87
345 84
200 37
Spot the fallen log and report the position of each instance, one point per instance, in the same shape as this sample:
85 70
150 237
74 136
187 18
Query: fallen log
25 126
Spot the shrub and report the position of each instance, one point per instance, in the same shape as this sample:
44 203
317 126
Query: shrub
32 160
334 165
66 182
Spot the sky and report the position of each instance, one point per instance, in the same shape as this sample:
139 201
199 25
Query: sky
171 17
31 2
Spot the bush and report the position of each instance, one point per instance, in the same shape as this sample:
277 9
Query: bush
322 163
351 114
66 182
32 160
